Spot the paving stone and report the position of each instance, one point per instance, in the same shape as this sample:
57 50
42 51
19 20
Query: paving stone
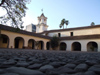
19 59
23 71
35 66
70 65
78 73
2 71
22 64
52 72
8 63
46 67
90 73
55 64
81 67
91 62
95 69
9 74
35 61
65 69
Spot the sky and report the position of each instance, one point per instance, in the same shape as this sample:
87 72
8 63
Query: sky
79 12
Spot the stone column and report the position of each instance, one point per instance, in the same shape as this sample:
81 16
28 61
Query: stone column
11 42
98 46
84 46
25 42
45 45
68 48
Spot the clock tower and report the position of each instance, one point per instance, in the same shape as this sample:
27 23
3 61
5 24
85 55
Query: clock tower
42 24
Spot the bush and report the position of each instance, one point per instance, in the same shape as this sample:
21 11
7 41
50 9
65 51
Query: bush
54 42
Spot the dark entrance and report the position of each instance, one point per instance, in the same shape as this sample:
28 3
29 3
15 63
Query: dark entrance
76 46
19 42
41 45
63 46
4 41
48 45
92 46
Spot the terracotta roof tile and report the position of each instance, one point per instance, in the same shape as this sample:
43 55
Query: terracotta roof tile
68 29
8 28
97 36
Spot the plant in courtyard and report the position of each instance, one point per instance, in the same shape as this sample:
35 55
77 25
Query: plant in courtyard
37 44
63 21
92 48
54 42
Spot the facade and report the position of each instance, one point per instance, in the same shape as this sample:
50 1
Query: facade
71 39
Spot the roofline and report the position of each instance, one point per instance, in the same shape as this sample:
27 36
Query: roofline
96 36
8 28
68 29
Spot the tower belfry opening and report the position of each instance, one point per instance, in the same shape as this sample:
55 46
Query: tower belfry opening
42 23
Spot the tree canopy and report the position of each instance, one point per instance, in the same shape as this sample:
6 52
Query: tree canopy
63 21
92 23
15 11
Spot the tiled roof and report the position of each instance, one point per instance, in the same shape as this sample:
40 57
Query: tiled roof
68 29
8 28
97 36
3 27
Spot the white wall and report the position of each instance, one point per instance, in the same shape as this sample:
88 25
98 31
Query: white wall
90 31
82 42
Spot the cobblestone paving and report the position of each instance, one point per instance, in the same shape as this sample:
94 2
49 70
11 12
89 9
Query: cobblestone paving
41 62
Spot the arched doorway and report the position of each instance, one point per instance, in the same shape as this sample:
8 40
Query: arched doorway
41 45
76 46
92 46
48 45
4 41
19 42
31 44
63 46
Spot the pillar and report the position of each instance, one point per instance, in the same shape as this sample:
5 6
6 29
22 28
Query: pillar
68 48
25 42
11 42
45 45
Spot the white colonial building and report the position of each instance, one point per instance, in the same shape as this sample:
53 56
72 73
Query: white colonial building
71 39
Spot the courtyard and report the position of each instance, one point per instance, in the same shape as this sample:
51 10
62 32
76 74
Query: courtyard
44 62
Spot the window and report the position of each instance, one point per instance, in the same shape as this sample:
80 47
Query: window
71 33
4 40
59 35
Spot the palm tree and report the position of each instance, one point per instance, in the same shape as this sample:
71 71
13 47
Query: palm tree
66 22
63 21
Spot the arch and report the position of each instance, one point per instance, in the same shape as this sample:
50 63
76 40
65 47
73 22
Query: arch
4 41
76 46
41 45
19 42
48 45
63 46
31 43
92 46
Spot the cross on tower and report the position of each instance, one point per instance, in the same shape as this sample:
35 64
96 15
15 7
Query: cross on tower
42 10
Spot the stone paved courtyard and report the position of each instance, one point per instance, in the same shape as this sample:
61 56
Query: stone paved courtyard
41 62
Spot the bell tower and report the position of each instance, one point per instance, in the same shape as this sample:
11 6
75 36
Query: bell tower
42 24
